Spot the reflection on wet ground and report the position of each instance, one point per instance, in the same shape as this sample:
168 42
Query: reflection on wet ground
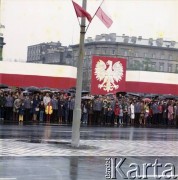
76 168
88 133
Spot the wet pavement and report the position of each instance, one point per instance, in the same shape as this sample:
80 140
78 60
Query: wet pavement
43 151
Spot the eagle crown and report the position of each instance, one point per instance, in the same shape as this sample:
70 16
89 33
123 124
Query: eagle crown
109 63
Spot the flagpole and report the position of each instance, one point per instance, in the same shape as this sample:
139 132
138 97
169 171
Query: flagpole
77 109
1 35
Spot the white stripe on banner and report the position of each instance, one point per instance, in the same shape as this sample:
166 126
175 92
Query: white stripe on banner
38 69
152 77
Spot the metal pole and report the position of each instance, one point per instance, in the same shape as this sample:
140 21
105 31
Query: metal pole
77 110
1 38
1 35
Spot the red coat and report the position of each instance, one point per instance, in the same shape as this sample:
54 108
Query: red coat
116 110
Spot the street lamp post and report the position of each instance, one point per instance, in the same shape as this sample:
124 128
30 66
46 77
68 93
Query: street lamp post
77 109
1 35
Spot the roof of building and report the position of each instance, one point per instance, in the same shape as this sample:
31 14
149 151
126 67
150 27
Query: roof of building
133 40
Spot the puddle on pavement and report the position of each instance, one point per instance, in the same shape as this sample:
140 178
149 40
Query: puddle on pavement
60 144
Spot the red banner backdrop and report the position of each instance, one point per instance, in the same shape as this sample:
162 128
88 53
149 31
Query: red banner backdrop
108 75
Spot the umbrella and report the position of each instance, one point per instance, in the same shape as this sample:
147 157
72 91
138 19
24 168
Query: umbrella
7 90
46 90
87 97
26 93
33 89
85 92
3 86
120 93
146 99
169 96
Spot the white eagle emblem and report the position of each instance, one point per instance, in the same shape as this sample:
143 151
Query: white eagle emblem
109 76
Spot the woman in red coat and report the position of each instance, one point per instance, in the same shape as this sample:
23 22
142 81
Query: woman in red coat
116 113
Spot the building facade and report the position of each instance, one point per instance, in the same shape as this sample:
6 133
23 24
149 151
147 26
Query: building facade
141 54
49 53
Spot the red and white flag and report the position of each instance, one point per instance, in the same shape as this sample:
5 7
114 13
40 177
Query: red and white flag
104 17
81 12
108 75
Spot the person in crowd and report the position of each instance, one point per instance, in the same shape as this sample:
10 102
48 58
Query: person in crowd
170 114
155 112
71 108
16 106
121 115
90 111
35 107
150 115
176 113
109 114
21 112
48 112
66 108
97 109
141 120
146 113
61 110
165 113
46 99
104 112
132 113
116 113
137 108
113 103
2 105
125 112
54 103
9 107
160 112
41 111
84 109
28 108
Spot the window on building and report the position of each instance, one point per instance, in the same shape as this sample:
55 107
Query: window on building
170 57
88 52
153 56
104 51
169 67
161 66
113 52
177 68
153 66
137 65
125 53
145 55
162 56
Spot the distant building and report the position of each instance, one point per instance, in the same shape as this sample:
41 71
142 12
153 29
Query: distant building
49 53
141 54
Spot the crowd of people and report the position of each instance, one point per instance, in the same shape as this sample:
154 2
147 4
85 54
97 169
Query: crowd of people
100 110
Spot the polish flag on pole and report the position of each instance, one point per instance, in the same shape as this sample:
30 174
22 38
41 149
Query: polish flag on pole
104 17
80 12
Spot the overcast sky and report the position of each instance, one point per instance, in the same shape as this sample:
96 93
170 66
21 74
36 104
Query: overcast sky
29 22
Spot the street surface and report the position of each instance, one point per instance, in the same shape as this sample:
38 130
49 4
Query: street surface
34 152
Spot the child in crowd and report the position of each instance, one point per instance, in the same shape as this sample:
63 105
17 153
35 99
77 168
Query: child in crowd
21 112
48 112
41 110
